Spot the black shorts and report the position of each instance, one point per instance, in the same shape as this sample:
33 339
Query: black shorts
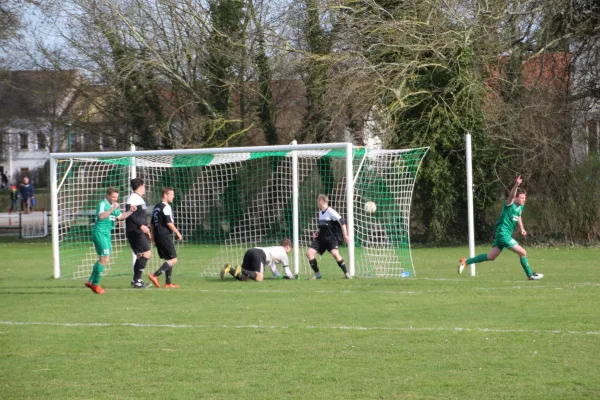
323 245
139 242
255 260
166 247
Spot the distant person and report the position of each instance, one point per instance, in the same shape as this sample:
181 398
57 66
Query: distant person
14 199
505 226
4 181
27 195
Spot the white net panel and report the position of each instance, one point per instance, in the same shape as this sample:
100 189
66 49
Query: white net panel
227 203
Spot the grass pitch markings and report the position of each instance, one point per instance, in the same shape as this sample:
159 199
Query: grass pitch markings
316 327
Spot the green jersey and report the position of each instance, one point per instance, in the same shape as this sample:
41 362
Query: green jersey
505 225
107 224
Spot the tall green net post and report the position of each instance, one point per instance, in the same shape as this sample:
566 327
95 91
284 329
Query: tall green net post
230 200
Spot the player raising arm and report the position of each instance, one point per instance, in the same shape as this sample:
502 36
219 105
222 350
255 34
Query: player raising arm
257 258
107 212
331 228
163 228
505 225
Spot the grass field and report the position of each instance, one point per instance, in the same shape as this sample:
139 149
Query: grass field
438 336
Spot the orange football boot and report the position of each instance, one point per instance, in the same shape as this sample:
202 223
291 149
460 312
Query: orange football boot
171 286
154 280
97 289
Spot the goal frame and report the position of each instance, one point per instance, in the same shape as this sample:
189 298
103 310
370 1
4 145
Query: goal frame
293 148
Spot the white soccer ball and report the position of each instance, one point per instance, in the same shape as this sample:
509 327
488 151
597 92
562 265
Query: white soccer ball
370 207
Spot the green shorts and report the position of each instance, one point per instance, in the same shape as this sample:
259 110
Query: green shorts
504 242
101 243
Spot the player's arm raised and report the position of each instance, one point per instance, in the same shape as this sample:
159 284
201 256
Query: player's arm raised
513 192
106 214
126 214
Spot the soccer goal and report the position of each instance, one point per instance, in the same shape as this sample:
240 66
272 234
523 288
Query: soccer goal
230 199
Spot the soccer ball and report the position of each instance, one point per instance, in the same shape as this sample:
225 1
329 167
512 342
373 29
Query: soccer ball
370 207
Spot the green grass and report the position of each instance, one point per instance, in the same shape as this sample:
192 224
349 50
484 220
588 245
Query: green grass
438 336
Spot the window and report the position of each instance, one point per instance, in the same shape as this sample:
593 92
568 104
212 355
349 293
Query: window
3 143
42 142
23 141
593 128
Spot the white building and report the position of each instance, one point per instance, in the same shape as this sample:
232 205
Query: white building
33 106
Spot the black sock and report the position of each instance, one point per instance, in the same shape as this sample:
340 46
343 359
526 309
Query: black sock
342 265
162 269
138 268
249 274
313 265
168 273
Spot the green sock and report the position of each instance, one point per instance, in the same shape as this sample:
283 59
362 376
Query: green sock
97 273
94 275
477 259
526 267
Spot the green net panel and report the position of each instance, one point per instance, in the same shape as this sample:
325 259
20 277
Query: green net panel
386 178
227 203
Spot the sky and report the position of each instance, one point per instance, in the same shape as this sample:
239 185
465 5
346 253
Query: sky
20 52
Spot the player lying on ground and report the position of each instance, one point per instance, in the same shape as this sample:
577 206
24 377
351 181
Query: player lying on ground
505 225
163 228
331 228
107 212
137 232
255 259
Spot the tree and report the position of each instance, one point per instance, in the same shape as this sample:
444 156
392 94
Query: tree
319 43
266 106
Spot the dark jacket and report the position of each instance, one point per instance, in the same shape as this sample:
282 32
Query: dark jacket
26 191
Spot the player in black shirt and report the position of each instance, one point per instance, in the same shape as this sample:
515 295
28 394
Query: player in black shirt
332 227
137 232
163 228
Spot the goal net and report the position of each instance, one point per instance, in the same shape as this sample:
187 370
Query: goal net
230 200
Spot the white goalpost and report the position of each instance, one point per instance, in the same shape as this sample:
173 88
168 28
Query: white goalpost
228 200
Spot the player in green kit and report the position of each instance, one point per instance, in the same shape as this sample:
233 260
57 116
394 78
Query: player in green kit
107 212
505 225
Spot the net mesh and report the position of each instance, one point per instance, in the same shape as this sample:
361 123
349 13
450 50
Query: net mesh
227 203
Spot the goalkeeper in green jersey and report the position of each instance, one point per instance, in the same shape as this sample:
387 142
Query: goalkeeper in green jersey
107 212
505 225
